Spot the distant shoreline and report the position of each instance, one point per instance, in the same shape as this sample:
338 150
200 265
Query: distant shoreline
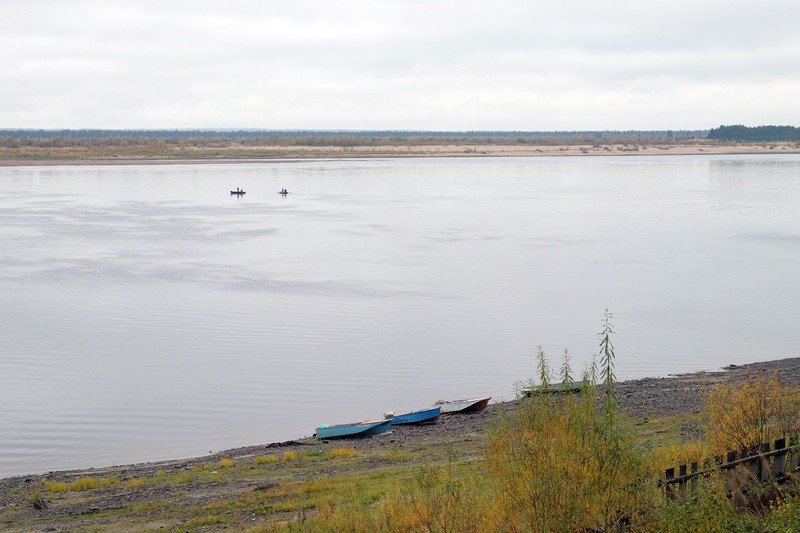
274 154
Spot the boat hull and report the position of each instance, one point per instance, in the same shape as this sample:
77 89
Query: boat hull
554 388
469 405
354 430
424 416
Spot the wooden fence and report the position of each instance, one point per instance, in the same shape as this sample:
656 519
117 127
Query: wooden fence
766 463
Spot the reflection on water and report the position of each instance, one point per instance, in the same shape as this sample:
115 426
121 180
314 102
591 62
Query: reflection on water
147 314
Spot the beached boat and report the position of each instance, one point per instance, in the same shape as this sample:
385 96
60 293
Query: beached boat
238 192
423 416
353 429
469 405
554 388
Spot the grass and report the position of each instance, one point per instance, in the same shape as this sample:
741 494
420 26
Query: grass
342 452
291 456
81 484
136 483
397 456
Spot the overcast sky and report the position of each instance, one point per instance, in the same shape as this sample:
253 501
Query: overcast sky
399 64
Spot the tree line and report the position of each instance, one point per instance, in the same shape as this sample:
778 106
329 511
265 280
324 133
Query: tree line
755 134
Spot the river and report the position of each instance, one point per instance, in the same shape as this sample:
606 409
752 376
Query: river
146 313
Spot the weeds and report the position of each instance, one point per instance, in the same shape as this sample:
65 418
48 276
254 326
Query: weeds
135 483
342 452
290 456
81 484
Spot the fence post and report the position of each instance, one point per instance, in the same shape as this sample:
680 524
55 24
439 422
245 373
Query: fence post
669 474
793 453
752 465
764 469
779 463
730 482
693 482
682 482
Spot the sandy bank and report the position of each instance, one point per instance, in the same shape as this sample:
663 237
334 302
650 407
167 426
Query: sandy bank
251 154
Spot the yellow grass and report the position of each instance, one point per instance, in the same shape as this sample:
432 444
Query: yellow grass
342 452
81 484
266 459
136 482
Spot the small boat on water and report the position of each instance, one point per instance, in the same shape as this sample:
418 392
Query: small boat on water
238 192
283 192
353 429
469 405
554 388
423 416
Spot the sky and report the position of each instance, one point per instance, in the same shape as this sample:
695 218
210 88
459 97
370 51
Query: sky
442 65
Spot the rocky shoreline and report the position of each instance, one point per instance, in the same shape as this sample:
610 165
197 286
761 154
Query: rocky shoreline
680 394
457 437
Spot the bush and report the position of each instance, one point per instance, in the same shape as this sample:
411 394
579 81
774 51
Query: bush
744 415
567 461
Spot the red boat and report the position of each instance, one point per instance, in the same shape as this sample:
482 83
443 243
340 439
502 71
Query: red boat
469 405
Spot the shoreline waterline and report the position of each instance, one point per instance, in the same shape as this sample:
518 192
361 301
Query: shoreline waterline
641 399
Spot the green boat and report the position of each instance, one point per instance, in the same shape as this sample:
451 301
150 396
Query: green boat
554 388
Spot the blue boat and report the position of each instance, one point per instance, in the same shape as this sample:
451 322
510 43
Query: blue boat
424 416
353 429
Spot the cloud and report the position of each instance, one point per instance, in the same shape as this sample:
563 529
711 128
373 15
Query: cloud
398 64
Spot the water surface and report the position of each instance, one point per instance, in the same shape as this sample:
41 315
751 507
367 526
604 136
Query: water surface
147 314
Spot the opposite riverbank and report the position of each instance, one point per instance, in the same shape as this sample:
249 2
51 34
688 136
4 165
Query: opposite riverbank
251 486
239 153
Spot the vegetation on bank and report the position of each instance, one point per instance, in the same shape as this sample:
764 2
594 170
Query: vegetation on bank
556 462
755 134
34 145
26 145
77 137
